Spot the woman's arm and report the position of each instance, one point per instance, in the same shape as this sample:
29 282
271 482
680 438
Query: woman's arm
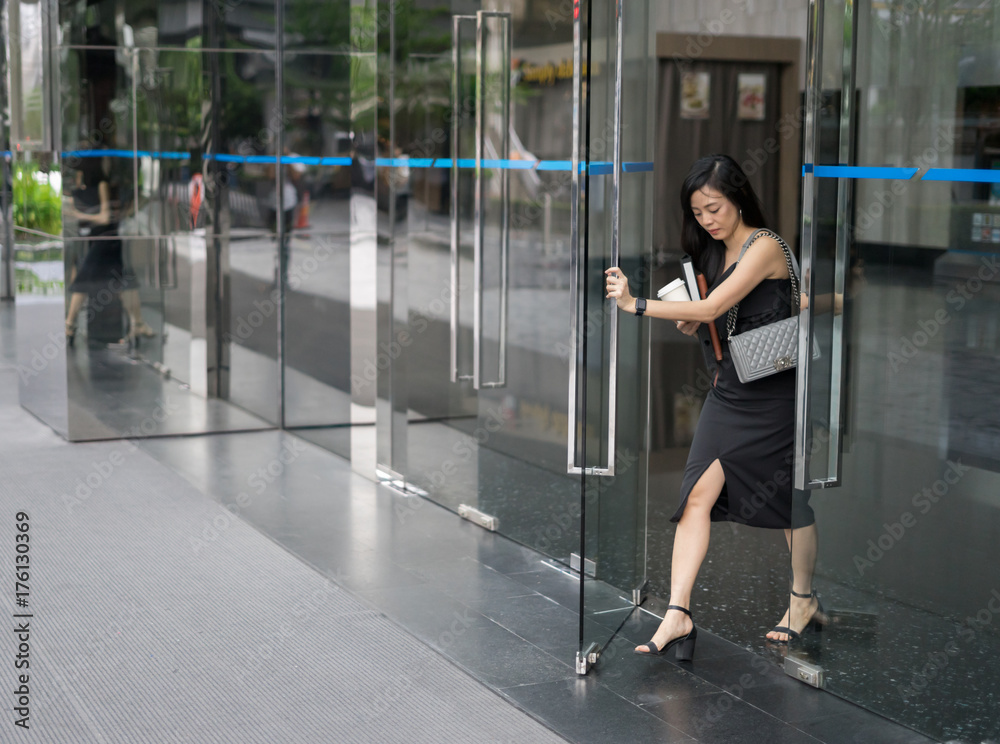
759 263
103 217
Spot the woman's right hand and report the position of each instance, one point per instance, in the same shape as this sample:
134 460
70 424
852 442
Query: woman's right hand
688 327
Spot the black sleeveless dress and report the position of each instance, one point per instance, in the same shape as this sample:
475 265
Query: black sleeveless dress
749 428
103 266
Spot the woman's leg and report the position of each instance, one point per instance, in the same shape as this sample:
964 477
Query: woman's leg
133 308
76 301
690 547
803 544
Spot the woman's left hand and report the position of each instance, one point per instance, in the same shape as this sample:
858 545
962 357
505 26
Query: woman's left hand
617 286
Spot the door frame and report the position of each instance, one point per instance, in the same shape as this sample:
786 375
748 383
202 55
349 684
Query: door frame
782 50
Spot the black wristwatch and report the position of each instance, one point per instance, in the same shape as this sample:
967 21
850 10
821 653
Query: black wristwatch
640 306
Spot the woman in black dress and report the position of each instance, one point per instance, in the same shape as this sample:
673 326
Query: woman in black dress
103 271
739 467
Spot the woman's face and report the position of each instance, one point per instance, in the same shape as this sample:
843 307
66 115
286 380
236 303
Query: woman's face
715 213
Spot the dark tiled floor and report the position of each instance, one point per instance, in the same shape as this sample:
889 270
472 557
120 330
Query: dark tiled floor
497 610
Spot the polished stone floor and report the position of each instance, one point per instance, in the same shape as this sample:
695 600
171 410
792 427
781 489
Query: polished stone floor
502 613
499 611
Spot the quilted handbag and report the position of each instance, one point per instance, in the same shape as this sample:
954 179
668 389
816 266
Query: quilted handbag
773 347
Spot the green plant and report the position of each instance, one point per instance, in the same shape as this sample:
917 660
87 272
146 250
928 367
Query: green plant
37 203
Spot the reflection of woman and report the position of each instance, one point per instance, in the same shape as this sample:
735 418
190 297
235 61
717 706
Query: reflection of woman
103 271
739 467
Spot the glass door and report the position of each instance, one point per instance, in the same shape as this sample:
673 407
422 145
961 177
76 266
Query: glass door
611 384
898 431
492 172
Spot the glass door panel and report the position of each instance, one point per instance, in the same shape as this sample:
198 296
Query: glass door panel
488 220
485 244
617 191
898 420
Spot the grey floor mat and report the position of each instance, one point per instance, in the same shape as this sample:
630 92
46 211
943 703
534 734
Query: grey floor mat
159 617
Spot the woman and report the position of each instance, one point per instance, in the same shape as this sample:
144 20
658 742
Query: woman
103 267
739 467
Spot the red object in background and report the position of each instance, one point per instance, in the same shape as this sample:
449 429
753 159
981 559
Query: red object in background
196 195
303 218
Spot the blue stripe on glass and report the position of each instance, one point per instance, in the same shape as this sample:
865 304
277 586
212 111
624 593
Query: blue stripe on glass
637 167
860 171
98 154
597 168
968 175
225 158
973 175
462 163
509 164
309 160
971 252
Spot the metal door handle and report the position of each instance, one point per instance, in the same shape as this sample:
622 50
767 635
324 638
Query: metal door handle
456 119
804 477
616 221
504 155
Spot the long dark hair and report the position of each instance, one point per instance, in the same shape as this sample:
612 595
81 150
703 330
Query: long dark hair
722 173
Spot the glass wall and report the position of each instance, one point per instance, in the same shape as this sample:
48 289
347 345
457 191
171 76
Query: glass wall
184 197
900 414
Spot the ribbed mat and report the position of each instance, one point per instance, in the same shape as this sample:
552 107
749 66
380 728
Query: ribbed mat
158 617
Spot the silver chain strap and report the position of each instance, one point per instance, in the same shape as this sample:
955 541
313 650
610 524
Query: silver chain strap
795 299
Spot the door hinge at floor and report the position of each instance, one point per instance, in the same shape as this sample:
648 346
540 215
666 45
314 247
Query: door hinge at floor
586 659
487 521
589 567
805 671
639 593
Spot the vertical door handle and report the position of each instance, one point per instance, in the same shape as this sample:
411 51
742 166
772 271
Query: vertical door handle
456 121
616 221
807 473
503 154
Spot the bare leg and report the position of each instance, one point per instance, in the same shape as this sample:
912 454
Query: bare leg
690 547
803 543
133 307
76 301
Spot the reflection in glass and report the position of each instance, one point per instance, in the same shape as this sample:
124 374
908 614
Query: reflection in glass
323 142
916 514
169 247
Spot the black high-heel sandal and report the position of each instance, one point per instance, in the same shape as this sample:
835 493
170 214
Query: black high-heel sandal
685 644
816 621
